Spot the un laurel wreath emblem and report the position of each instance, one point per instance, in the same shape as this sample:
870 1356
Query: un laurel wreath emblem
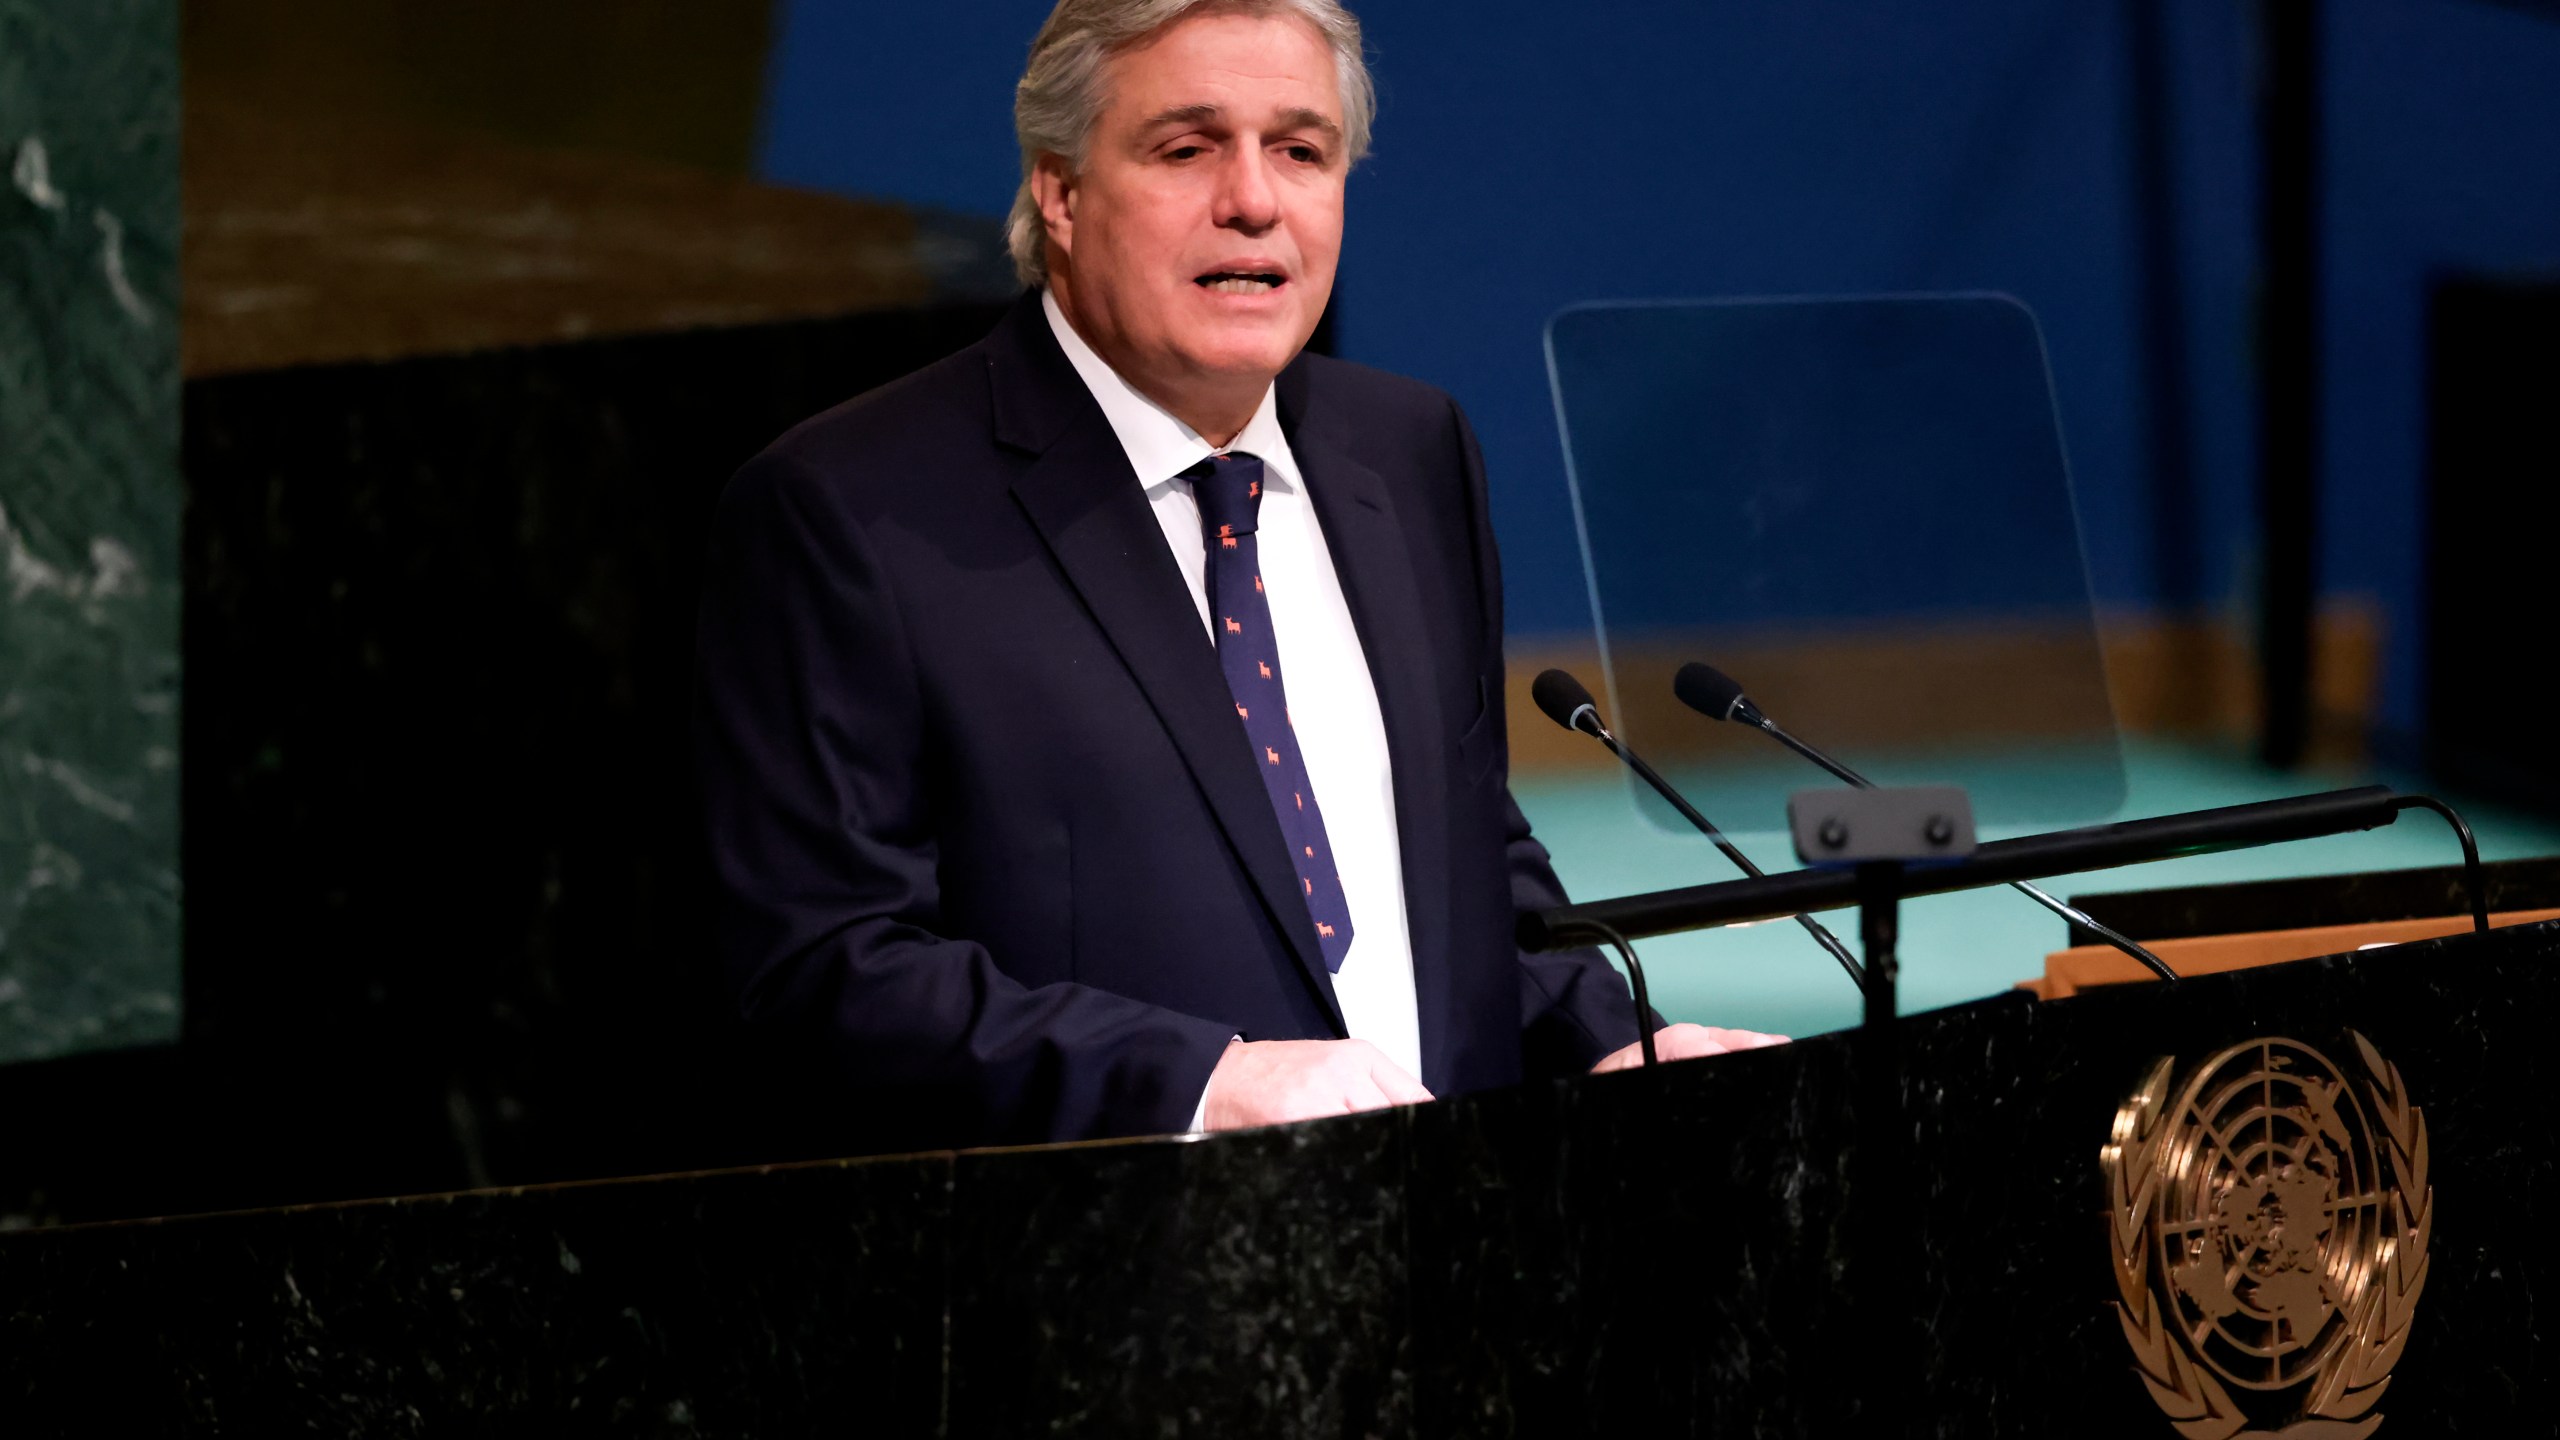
2269 1216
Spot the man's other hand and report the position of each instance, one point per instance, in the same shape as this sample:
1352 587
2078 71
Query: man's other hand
1272 1082
1686 1042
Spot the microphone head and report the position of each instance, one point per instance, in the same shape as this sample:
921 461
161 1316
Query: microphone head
1560 698
1708 690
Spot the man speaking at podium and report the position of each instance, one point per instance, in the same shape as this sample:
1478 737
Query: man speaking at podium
1101 730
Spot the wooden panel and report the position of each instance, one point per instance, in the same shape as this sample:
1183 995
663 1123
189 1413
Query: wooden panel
2168 675
2068 972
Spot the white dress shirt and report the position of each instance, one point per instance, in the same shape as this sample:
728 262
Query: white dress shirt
1345 739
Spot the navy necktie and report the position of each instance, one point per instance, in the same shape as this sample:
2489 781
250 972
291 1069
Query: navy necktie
1229 490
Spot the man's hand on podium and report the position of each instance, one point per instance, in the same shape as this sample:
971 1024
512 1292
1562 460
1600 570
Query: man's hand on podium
1272 1082
1688 1042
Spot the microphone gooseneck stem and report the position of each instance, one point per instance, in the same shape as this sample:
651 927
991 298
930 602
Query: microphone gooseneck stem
1818 757
2088 922
1643 997
1821 936
1687 811
2473 884
2070 913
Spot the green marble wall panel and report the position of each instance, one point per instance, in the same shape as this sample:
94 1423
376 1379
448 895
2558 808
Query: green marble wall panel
89 510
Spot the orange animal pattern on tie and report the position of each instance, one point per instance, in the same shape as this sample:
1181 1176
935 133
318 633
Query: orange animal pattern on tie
1237 602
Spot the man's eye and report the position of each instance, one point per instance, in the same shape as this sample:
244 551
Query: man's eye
1305 154
1182 152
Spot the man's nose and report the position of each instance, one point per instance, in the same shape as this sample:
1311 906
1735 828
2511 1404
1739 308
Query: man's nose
1247 199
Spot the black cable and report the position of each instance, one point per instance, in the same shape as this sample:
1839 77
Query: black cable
2473 882
1644 1000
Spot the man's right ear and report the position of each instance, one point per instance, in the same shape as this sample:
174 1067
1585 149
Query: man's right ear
1053 189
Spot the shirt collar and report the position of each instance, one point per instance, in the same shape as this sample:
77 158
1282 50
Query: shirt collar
1160 447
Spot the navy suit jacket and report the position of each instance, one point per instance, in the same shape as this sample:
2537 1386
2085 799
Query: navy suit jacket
989 844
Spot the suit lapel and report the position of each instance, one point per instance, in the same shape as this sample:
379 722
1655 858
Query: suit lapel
1091 511
1370 556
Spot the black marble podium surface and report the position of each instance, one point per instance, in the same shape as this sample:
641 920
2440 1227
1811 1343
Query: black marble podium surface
89 517
1631 1254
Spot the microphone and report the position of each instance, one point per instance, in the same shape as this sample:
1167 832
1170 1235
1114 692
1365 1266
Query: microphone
1563 699
1718 696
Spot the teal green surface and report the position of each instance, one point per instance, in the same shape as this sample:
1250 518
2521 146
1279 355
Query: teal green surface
89 506
1954 947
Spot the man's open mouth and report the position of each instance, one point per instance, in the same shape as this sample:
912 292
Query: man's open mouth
1241 282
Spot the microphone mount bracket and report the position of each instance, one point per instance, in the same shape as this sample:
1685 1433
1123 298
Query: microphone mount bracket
1909 825
1998 862
1878 832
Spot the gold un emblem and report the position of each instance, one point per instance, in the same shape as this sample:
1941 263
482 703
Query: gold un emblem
2269 1220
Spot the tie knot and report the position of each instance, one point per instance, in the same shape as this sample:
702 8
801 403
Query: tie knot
1229 490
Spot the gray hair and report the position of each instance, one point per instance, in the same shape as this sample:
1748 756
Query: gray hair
1060 94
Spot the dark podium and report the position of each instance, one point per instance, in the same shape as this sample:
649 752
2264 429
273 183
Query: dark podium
1671 1252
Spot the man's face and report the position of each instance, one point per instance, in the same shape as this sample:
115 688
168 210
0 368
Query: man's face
1197 247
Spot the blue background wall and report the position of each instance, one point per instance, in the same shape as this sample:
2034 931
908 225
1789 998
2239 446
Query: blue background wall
1530 156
